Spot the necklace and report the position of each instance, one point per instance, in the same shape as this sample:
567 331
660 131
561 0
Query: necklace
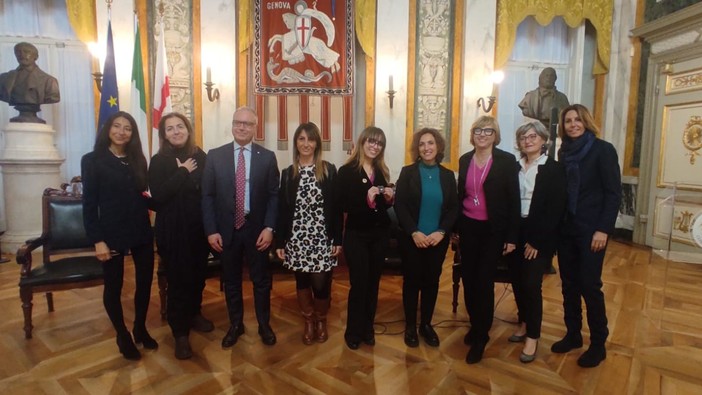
121 158
476 186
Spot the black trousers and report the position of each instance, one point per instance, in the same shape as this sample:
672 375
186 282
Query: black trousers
113 271
581 277
480 251
186 281
421 269
243 246
527 278
365 256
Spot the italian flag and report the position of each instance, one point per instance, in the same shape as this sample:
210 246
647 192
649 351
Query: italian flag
138 97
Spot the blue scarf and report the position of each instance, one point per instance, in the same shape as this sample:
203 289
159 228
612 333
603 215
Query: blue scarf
571 153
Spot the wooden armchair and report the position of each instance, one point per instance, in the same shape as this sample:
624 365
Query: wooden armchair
63 236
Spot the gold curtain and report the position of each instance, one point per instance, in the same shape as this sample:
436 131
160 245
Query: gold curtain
512 12
245 24
365 20
81 14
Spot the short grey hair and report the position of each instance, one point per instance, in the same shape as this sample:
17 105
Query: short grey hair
539 128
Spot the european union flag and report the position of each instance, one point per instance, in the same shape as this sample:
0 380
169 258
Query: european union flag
109 97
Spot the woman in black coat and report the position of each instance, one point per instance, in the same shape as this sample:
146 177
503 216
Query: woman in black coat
488 190
594 195
116 217
426 205
542 188
175 174
364 195
309 228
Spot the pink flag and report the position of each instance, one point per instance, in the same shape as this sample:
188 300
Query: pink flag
162 93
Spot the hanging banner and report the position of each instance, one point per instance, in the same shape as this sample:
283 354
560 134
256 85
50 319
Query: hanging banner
303 47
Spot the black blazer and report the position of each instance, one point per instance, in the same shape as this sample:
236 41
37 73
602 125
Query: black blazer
501 188
218 191
600 192
286 205
352 191
547 207
409 198
114 210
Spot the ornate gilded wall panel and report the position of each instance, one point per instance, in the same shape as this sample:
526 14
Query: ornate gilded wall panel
178 27
435 46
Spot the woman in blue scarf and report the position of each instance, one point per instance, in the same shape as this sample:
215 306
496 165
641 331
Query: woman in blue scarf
594 195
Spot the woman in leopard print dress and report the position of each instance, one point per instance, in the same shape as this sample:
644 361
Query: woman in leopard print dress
309 228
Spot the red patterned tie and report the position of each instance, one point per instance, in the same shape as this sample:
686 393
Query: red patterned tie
240 186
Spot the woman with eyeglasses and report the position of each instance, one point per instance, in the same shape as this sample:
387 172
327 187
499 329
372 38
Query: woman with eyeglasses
309 228
426 207
594 195
365 195
542 189
175 176
488 227
116 218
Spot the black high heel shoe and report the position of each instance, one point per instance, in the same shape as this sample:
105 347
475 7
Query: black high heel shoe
141 336
127 347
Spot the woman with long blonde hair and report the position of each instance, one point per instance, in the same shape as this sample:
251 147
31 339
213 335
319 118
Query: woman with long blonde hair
365 195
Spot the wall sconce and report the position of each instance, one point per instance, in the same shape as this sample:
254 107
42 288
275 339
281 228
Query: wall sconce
496 77
390 92
212 93
98 53
491 102
97 76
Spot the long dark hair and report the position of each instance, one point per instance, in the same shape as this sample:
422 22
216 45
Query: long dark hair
312 132
166 147
135 156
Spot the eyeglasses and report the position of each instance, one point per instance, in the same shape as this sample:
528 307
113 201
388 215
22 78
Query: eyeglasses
375 142
528 137
245 124
483 131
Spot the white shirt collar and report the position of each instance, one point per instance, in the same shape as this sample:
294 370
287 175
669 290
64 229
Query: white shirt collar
540 161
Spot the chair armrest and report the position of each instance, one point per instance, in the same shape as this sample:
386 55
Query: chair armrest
24 254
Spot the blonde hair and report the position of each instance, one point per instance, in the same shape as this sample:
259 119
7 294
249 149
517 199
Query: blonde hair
483 121
358 156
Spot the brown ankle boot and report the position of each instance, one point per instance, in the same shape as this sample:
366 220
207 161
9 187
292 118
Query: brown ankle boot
305 300
321 306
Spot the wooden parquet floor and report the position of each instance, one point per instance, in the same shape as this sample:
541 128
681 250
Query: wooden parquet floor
655 346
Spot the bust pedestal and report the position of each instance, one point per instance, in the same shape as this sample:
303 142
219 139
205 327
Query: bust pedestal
30 163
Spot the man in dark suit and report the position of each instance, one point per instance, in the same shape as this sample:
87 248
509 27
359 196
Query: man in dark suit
239 206
28 86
